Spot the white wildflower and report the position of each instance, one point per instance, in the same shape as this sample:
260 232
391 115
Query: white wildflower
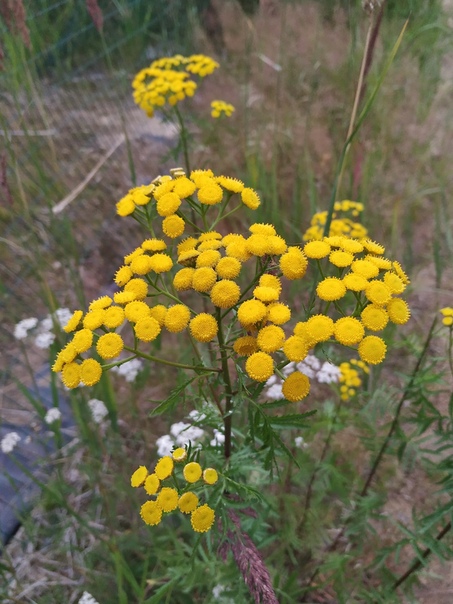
98 410
129 370
300 442
22 328
219 439
197 416
52 415
165 445
62 316
87 598
9 441
182 433
328 374
44 339
275 392
46 324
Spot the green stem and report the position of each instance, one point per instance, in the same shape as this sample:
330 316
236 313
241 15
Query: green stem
227 419
149 357
183 138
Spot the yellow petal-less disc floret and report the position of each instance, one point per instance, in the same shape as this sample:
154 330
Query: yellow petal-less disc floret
365 268
164 467
182 281
296 387
202 519
210 194
266 294
136 310
139 287
273 281
245 346
102 302
225 293
228 268
208 258
158 312
82 340
124 297
320 327
125 206
167 499
147 329
179 454
400 272
372 350
177 318
398 311
271 338
262 229
355 282
278 313
203 327
230 184
173 226
188 502
184 187
293 264
114 317
317 249
260 366
204 279
250 198
161 263
168 204
374 317
348 330
109 346
341 259
152 484
192 472
394 283
70 375
251 312
295 349
139 476
154 245
74 321
210 476
151 513
94 319
257 245
331 289
90 372
378 292
141 265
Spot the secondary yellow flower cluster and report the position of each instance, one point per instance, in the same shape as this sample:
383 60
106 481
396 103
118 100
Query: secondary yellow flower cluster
343 223
219 107
169 498
168 80
350 377
447 314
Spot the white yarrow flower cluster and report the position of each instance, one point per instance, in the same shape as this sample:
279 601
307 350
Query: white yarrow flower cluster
311 366
129 370
42 330
52 415
22 328
98 410
8 442
87 598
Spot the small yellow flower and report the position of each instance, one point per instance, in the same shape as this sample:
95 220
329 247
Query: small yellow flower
203 327
147 329
250 198
94 319
372 350
273 281
204 279
208 258
186 245
447 321
179 454
168 204
295 348
68 353
228 268
260 366
378 292
124 297
192 471
266 294
139 287
210 194
139 476
137 252
161 263
184 187
152 484
381 263
271 338
398 311
320 327
225 293
296 387
74 321
210 476
251 312
355 282
257 245
151 513
71 375
349 330
136 310
154 245
373 247
188 502
90 372
141 265
82 340
173 226
164 467
237 248
177 318
202 519
114 316
447 311
374 317
278 313
365 268
399 271
220 107
230 184
182 281
341 258
394 283
293 264
125 206
317 249
167 499
331 289
209 236
109 346
158 312
102 302
276 245
245 346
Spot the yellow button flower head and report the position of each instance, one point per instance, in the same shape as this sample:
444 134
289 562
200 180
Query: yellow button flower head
90 372
179 454
259 228
94 319
394 283
348 330
102 302
295 349
161 263
122 275
139 476
296 387
69 353
276 245
151 513
154 245
208 258
273 281
202 519
203 327
74 321
293 264
373 247
152 484
278 313
381 263
245 346
158 312
320 327
210 193
372 350
135 254
399 271
256 244
331 289
164 467
350 245
250 198
260 366
182 281
139 287
109 346
188 502
204 279
125 206
82 340
167 499
200 177
378 292
173 226
192 471
317 249
124 297
228 268
141 265
365 268
237 248
271 338
209 236
251 312
225 293
184 187
168 204
177 318
355 282
114 317
447 311
136 310
147 329
220 107
210 244
341 258
398 311
230 184
71 375
374 317
210 476
266 294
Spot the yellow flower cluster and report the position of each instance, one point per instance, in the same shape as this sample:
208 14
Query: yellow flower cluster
447 314
168 80
344 222
350 377
220 107
169 498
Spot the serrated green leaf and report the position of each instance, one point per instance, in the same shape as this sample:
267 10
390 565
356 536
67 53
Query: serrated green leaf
172 400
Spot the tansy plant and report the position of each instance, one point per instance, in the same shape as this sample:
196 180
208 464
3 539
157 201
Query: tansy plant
227 294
